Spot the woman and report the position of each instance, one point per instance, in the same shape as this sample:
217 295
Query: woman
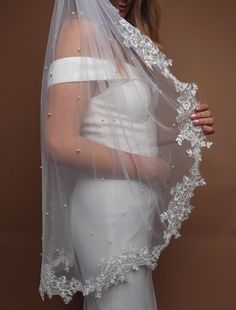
120 153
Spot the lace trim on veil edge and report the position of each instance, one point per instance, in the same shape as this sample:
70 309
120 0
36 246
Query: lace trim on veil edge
115 269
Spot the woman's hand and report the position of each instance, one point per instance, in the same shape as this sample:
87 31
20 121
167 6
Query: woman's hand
202 117
152 170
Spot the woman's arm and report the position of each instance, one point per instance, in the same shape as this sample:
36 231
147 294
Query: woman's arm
79 152
67 104
167 137
66 107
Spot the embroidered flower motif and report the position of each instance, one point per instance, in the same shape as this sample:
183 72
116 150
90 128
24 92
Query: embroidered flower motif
112 272
179 207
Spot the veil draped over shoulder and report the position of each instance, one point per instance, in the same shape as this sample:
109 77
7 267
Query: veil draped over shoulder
120 155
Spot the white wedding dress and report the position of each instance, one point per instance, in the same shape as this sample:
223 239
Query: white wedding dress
107 214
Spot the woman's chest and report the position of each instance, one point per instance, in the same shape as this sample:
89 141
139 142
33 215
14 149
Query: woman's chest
129 99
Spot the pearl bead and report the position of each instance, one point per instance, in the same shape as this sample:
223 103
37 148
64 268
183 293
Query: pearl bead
102 179
46 213
65 205
57 250
174 124
173 166
73 12
78 50
41 167
77 150
49 114
45 67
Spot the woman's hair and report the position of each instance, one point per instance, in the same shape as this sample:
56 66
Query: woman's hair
145 15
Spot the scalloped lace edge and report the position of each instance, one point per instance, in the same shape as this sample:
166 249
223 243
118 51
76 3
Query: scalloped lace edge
115 269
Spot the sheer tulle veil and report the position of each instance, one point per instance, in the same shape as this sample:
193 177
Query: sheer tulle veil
94 58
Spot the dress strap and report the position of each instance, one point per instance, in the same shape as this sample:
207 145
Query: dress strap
76 69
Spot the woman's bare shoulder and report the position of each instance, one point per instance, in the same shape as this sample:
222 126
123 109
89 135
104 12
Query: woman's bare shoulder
78 25
74 35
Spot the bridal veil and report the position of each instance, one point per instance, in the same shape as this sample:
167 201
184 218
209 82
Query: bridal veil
120 155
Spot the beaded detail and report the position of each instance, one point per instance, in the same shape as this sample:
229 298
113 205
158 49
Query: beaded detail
116 269
179 206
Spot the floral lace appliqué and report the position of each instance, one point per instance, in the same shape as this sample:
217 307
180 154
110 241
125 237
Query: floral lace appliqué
112 271
179 207
116 269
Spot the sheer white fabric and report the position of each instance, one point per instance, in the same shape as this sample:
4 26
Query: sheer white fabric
112 207
120 158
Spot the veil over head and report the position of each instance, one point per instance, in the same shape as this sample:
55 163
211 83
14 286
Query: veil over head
107 89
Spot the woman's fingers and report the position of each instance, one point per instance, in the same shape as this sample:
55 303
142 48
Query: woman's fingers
202 117
203 114
204 121
202 106
208 130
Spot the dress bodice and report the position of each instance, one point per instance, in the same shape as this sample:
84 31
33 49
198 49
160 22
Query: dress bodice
120 112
